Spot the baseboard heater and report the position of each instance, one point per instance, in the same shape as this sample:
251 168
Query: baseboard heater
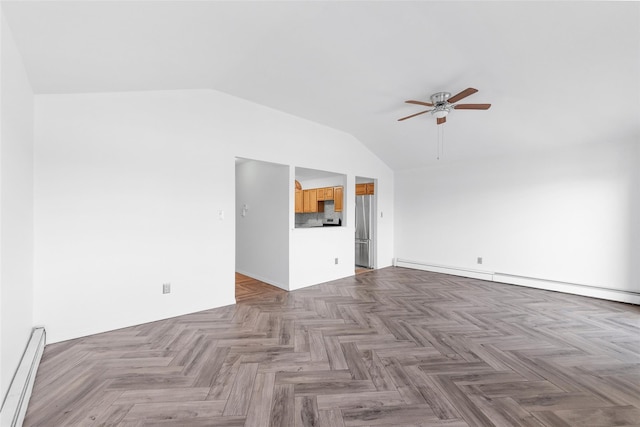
14 407
619 295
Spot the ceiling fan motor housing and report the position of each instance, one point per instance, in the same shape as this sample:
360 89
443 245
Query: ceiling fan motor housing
441 106
440 98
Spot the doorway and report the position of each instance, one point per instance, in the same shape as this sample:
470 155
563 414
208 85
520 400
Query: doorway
262 221
365 224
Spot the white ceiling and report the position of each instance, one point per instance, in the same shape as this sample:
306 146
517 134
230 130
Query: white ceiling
557 73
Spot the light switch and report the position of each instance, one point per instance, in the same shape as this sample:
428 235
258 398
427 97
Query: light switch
220 215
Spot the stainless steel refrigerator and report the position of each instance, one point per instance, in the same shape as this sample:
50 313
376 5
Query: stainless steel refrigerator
364 231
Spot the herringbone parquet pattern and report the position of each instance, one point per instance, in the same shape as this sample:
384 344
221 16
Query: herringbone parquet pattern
392 347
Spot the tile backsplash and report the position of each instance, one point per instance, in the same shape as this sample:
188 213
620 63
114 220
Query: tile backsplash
316 219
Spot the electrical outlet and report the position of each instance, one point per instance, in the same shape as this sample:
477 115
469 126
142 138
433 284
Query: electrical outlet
166 288
479 260
336 260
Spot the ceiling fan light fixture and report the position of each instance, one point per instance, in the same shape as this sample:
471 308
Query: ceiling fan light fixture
443 102
440 114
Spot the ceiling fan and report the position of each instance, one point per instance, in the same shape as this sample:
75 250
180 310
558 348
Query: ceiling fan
443 103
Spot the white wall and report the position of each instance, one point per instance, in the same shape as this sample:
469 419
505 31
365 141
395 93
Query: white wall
16 209
567 215
314 250
332 181
128 187
262 230
313 255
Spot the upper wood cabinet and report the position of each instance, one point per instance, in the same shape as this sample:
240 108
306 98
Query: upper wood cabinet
328 193
338 194
370 188
299 201
365 189
324 193
310 200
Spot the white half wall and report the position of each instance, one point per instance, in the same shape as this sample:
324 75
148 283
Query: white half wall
262 221
569 215
16 208
128 188
314 251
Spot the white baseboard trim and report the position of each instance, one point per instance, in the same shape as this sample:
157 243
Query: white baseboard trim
530 282
455 271
14 407
263 279
570 288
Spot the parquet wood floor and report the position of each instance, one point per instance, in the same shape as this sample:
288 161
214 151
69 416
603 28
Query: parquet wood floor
391 347
249 288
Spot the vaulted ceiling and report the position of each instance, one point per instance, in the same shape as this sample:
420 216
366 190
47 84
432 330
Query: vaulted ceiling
557 73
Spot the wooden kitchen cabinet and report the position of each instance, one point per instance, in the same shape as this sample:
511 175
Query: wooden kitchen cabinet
310 200
299 201
365 189
338 194
325 193
328 193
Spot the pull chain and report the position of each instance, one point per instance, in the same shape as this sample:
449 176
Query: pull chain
440 141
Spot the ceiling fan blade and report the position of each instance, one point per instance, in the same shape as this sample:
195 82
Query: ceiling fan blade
472 106
463 94
413 115
426 104
442 120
